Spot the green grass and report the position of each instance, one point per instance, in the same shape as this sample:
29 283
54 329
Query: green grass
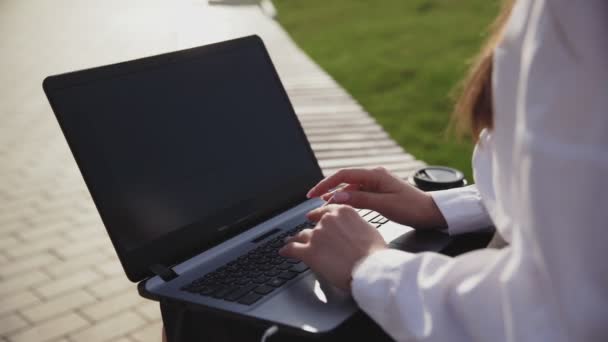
400 59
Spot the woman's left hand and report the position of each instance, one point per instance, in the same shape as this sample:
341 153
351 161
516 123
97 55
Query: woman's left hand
334 246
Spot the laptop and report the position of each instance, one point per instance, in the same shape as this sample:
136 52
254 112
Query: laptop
199 169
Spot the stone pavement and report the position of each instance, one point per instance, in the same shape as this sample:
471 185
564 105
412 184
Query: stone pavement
59 277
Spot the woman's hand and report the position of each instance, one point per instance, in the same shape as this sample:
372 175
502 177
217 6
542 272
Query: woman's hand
379 190
334 246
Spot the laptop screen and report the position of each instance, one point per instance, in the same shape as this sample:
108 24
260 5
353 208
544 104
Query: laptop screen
198 141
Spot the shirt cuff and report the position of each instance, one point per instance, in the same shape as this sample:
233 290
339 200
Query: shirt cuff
462 209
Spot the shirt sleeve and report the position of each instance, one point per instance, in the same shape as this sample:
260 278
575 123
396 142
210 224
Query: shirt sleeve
551 283
462 209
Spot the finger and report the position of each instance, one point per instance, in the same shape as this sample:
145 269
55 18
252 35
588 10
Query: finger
326 197
295 250
301 237
349 187
351 176
316 214
359 199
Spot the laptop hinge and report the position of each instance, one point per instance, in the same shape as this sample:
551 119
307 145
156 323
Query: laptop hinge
165 273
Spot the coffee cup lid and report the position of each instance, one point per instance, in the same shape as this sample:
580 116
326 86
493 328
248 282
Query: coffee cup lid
430 178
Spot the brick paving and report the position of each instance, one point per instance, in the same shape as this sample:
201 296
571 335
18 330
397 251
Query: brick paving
59 277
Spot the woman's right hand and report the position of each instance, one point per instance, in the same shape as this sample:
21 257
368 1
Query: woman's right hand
379 190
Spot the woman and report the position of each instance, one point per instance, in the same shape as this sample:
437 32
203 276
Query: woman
538 101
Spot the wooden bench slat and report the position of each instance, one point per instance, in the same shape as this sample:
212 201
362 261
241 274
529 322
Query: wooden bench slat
349 137
361 152
352 145
317 123
341 129
396 168
369 160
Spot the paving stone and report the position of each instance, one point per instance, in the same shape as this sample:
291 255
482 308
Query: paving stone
150 310
51 329
28 263
115 326
110 268
33 247
43 230
72 250
11 323
17 300
112 305
150 333
83 261
111 286
62 285
79 233
21 282
57 305
8 241
124 339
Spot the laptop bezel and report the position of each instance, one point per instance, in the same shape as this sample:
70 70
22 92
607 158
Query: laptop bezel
180 244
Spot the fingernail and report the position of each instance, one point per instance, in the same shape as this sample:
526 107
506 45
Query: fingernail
308 194
341 196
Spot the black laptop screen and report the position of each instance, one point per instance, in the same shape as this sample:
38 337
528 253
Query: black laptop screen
199 142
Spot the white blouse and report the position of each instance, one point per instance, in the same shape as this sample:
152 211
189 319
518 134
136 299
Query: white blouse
541 178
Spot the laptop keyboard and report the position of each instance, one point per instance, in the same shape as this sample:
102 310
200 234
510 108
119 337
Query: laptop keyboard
372 217
256 274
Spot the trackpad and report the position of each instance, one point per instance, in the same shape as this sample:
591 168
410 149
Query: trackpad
308 305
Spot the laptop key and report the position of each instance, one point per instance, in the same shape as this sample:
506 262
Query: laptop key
367 213
240 292
242 281
364 212
252 274
376 219
285 266
228 281
266 267
277 244
263 289
250 298
380 220
223 292
195 288
262 261
208 290
276 282
261 279
272 273
287 275
372 217
277 261
292 261
299 268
